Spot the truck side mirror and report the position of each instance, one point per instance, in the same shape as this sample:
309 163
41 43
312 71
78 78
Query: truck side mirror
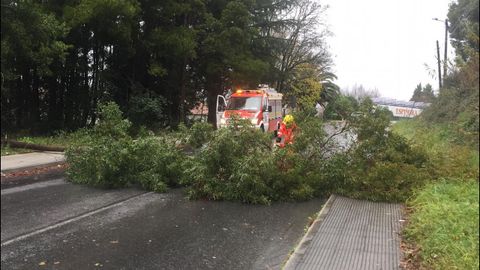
269 108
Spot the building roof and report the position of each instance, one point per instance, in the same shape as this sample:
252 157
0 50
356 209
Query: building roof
200 109
400 103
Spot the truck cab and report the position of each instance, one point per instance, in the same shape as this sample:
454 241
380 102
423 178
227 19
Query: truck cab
262 107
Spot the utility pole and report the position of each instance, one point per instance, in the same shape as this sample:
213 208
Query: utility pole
439 68
445 57
445 54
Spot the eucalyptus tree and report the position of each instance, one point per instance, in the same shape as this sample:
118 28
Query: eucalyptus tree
31 40
155 58
463 19
225 56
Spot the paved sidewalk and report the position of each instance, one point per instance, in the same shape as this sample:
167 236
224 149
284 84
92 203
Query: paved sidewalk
31 160
351 234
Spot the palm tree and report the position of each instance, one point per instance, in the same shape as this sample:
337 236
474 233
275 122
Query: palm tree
329 89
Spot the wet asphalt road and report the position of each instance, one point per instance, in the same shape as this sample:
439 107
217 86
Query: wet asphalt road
58 225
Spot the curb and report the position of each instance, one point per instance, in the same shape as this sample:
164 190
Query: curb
32 174
38 166
301 248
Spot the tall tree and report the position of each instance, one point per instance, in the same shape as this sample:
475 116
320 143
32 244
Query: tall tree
301 40
463 16
424 94
226 57
305 87
330 90
31 42
155 58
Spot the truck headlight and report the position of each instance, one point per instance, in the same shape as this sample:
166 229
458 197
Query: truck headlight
254 121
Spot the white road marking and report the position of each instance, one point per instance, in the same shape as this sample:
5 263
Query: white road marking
65 222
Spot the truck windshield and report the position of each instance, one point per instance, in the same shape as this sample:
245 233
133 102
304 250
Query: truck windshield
244 103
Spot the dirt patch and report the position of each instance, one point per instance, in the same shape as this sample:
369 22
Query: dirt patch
411 253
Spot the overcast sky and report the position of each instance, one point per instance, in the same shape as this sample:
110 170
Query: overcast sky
385 44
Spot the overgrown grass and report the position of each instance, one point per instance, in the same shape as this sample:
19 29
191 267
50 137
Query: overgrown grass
59 139
444 224
451 155
444 219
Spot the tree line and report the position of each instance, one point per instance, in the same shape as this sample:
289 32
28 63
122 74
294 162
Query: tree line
457 102
157 59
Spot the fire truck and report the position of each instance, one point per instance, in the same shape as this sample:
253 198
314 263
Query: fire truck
262 106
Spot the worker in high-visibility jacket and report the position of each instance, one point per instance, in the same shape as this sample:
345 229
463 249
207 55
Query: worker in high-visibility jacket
286 133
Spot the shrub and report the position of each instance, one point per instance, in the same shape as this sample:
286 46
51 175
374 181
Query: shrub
157 162
382 165
111 123
197 135
289 176
386 181
109 157
239 164
101 162
332 175
341 108
228 170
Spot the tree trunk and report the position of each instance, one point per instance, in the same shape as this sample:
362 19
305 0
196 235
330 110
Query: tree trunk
182 91
93 106
26 99
52 102
213 88
35 109
16 144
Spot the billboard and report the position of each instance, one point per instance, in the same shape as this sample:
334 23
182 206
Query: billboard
404 112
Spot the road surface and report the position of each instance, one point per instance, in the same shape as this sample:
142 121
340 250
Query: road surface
58 225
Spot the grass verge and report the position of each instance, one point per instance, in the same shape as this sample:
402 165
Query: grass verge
444 225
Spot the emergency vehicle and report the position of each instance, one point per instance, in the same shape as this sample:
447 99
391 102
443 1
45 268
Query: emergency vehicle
262 106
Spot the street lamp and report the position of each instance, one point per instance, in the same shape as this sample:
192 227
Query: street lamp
446 44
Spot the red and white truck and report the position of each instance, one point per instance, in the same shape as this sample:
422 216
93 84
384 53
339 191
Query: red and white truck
262 106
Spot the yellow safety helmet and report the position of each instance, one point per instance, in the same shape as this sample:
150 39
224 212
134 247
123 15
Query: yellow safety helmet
288 119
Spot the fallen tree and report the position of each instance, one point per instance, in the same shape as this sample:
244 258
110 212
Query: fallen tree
38 147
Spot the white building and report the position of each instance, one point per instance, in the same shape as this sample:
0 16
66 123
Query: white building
401 109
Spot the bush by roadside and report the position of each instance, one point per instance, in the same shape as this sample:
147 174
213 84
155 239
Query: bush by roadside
239 163
382 165
109 157
233 165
